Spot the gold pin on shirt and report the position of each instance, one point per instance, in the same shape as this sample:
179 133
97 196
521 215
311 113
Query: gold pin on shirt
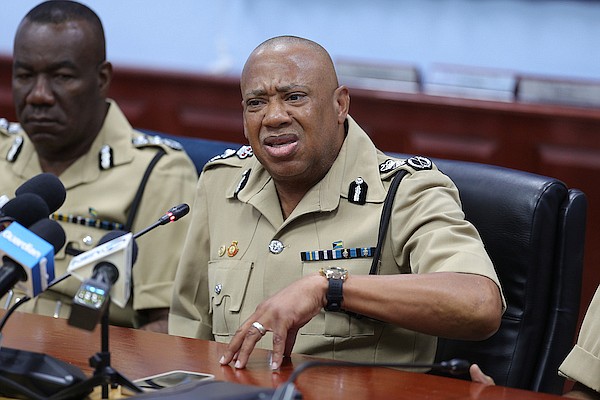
232 249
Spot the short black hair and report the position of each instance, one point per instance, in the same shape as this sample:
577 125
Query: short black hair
61 11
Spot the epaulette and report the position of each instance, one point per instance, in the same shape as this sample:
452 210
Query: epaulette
416 163
242 153
9 128
155 140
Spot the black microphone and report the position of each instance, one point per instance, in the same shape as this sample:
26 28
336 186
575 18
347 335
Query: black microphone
287 391
112 260
48 187
25 209
28 256
174 214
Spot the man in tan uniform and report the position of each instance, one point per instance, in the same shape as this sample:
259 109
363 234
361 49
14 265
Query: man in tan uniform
70 129
284 233
582 364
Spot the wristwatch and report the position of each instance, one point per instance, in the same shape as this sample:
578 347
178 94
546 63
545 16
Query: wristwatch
336 277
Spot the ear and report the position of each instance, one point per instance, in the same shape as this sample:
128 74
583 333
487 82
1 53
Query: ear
342 103
105 73
244 118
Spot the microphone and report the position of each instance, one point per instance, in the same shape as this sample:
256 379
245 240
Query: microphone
288 390
174 214
106 272
111 259
117 248
48 187
25 209
28 262
28 256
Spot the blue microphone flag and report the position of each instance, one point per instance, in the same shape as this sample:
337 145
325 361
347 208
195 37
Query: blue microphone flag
32 253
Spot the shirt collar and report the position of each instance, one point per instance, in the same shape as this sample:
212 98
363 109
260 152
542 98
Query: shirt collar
358 157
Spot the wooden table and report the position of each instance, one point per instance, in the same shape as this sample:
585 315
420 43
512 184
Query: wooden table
136 354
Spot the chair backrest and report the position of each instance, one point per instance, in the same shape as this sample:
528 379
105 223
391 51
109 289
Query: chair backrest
533 228
199 150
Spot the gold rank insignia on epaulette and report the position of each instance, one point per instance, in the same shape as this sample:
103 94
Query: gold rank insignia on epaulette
156 140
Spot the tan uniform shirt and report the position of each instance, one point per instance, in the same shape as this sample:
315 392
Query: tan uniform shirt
240 250
106 194
583 362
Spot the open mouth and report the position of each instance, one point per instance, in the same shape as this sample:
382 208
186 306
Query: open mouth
281 146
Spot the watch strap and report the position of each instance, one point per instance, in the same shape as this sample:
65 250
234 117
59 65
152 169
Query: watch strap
334 295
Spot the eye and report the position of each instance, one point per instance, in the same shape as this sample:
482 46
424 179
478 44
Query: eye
22 75
254 103
295 96
64 77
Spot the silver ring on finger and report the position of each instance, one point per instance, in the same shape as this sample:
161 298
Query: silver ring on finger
259 327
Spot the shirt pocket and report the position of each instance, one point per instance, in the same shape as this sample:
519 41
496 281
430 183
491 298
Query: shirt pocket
338 324
227 282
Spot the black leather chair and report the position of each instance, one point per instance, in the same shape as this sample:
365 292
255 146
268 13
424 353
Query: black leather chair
199 150
533 227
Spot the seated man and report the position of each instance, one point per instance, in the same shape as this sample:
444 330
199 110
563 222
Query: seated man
69 128
284 233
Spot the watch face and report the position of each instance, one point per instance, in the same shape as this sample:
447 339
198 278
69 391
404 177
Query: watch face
337 273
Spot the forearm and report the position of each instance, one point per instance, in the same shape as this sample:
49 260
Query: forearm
581 391
157 320
454 305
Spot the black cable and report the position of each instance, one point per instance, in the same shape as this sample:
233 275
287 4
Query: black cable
11 310
287 390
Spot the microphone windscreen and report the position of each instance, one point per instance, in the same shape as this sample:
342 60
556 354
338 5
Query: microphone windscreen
115 234
48 187
51 232
26 209
180 211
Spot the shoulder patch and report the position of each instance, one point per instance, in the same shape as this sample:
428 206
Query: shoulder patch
156 140
420 163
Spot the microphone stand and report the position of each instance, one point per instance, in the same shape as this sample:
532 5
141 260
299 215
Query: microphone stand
103 375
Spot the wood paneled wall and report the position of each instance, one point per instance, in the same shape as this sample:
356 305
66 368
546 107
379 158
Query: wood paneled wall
559 141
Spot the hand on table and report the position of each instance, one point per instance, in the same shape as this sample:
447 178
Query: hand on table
283 314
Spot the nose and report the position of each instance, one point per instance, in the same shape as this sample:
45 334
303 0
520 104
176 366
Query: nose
41 92
276 114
